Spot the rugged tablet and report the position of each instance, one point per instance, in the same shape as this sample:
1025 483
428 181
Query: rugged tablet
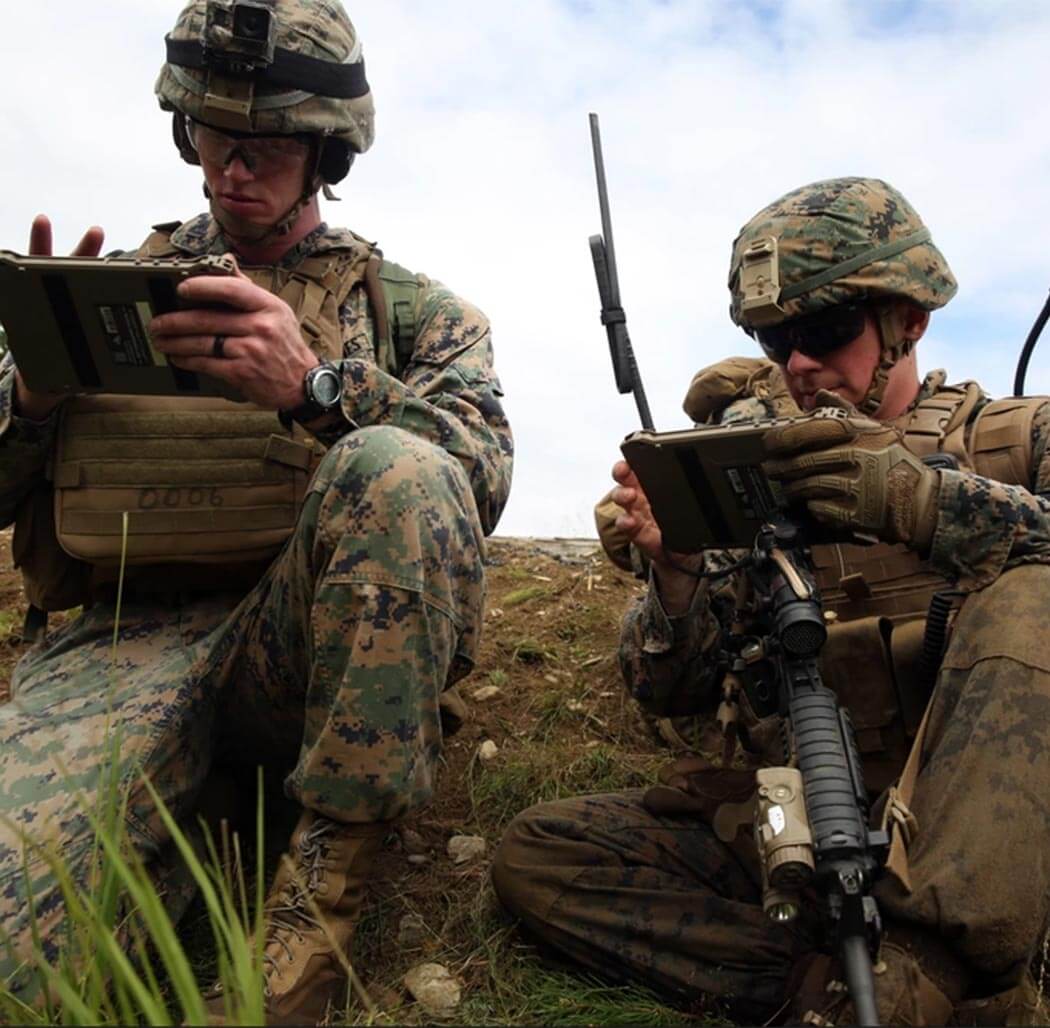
706 486
80 324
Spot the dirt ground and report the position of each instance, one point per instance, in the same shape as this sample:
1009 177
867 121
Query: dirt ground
561 724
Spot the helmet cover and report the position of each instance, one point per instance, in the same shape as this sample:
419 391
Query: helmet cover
310 79
843 240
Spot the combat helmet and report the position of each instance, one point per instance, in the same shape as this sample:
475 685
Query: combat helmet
271 67
843 240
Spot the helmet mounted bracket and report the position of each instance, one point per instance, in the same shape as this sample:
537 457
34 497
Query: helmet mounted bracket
228 103
760 283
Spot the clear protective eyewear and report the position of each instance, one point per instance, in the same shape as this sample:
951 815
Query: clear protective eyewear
262 155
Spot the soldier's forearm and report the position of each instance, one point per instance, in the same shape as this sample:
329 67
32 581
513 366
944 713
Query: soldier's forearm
982 525
665 659
464 418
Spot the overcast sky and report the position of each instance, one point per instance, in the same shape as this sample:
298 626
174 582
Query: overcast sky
481 174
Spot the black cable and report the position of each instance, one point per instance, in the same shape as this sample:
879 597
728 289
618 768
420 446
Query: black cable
1029 346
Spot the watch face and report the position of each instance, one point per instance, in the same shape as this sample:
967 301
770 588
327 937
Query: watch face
326 387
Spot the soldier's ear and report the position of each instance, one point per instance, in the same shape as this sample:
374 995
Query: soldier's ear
915 321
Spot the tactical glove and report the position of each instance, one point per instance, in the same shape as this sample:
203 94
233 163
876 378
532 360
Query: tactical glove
856 474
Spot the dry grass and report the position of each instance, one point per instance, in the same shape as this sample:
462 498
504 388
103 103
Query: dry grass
563 726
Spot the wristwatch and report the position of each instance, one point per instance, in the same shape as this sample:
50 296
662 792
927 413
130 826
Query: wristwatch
323 388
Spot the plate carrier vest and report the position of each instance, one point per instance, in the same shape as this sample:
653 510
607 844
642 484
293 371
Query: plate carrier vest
211 488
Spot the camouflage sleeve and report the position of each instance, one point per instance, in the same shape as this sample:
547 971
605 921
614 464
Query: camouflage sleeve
985 526
668 663
24 446
448 394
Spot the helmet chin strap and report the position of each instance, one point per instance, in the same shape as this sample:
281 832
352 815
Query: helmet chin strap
241 230
894 348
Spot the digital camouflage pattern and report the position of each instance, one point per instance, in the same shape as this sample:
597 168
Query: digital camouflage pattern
449 392
331 667
636 885
314 28
827 223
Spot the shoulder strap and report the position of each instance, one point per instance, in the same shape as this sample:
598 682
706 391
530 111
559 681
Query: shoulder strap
938 423
1001 442
308 287
158 243
393 292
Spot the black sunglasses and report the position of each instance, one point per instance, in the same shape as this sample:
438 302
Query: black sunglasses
815 335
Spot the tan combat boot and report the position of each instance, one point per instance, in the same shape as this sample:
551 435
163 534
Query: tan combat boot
321 879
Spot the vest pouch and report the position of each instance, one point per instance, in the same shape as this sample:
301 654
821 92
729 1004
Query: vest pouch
53 580
857 665
203 480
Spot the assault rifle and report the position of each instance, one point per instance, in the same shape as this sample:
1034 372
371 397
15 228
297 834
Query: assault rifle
811 815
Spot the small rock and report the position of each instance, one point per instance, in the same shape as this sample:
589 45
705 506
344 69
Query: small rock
411 931
464 848
574 705
487 751
486 693
553 679
433 987
412 841
418 859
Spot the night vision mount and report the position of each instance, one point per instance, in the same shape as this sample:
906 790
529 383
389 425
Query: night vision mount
240 38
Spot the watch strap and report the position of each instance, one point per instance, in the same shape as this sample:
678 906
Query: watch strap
310 409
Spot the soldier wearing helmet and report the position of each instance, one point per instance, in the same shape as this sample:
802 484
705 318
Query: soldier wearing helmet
300 575
836 282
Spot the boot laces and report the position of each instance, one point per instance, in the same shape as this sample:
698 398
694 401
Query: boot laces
289 916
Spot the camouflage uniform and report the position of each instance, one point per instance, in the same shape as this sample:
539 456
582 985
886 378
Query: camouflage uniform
330 666
637 884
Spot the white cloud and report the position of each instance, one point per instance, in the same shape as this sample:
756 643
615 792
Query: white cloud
481 173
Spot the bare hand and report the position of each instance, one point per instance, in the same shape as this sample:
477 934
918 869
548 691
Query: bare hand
263 356
676 587
636 521
40 240
37 406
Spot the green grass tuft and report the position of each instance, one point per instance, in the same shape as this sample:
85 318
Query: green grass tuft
122 960
498 793
519 596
